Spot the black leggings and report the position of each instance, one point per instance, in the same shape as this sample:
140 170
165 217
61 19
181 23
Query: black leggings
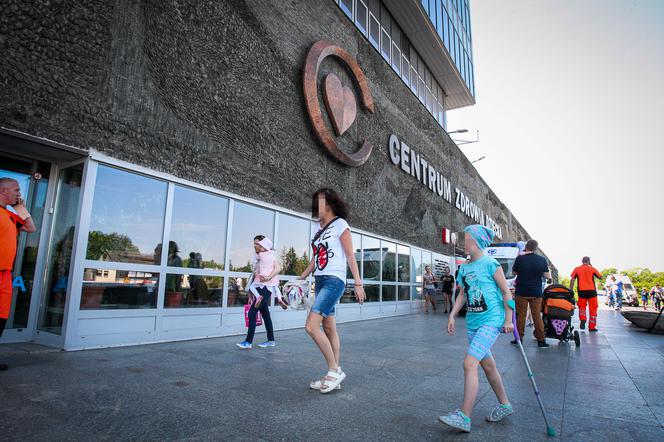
265 313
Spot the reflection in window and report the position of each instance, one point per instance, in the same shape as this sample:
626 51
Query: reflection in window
357 250
194 291
66 216
371 258
417 292
237 292
404 293
416 266
248 221
372 292
292 248
126 223
349 295
389 253
403 264
198 229
389 293
119 289
426 260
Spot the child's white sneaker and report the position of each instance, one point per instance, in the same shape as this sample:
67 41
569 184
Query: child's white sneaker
456 420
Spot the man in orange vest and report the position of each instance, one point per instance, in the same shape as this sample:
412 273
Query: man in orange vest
585 275
11 224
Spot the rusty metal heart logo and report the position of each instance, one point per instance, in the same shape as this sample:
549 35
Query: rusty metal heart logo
339 101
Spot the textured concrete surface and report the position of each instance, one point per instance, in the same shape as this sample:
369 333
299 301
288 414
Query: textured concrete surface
402 373
211 92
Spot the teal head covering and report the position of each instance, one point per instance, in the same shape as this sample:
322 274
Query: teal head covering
483 236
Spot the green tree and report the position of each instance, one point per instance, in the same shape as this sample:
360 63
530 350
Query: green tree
100 243
564 281
291 264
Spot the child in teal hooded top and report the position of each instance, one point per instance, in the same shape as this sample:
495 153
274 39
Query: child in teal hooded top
485 292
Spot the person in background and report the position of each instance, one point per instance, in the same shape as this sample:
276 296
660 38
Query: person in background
644 298
656 296
11 224
529 269
609 289
618 292
585 275
429 289
448 286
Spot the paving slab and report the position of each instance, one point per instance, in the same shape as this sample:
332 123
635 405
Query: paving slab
403 373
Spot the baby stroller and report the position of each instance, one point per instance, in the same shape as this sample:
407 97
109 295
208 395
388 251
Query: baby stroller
557 312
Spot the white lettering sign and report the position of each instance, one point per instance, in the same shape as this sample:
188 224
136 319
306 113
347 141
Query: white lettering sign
411 162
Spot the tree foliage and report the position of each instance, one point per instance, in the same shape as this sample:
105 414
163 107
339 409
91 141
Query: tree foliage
100 243
291 264
642 278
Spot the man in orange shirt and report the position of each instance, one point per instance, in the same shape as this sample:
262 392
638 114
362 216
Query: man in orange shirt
585 274
11 224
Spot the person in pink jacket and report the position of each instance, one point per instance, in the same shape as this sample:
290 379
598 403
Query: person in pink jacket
265 273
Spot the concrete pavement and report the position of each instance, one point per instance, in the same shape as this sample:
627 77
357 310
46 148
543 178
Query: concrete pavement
402 373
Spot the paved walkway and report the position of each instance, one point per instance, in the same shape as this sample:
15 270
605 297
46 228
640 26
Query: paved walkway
402 373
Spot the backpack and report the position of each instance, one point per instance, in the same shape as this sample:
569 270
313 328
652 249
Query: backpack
298 293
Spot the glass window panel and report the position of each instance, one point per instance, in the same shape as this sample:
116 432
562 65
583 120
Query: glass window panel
439 19
396 58
403 264
385 44
416 266
119 289
248 221
374 31
416 291
372 292
389 254
194 291
237 291
349 295
413 80
198 229
292 244
127 219
405 70
448 25
347 7
371 258
389 293
404 293
429 102
426 260
60 249
357 247
361 16
422 90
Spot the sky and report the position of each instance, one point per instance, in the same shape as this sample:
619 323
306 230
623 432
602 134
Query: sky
570 109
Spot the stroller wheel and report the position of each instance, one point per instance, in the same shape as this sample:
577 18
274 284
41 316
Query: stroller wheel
577 338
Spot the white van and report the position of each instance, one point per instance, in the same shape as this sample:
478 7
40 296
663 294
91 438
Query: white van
505 254
630 296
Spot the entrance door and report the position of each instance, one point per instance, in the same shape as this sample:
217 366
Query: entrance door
33 178
59 261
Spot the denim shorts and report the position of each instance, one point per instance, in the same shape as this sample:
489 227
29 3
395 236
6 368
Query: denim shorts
329 290
481 341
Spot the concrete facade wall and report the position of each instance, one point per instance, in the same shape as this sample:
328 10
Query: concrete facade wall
212 92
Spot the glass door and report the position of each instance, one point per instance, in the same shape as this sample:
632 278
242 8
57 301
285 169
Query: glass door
33 179
52 308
